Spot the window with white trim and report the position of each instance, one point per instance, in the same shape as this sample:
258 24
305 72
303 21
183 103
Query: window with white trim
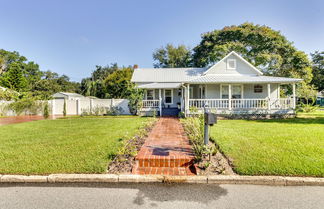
168 95
224 91
231 64
258 88
237 92
150 94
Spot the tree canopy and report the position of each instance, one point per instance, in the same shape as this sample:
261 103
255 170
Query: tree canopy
172 56
21 75
262 46
318 70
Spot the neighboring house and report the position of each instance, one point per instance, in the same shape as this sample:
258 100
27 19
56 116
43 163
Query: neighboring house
320 98
231 86
68 96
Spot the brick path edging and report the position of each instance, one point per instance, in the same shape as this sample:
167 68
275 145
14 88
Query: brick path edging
217 179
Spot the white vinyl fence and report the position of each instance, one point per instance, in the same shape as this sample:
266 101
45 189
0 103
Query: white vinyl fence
78 107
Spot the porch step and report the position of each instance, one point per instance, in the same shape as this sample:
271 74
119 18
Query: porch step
191 170
170 111
164 161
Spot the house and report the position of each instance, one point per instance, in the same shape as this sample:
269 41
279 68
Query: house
231 86
320 98
68 96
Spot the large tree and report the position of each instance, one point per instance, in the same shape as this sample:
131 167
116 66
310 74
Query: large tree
318 70
264 47
172 56
118 83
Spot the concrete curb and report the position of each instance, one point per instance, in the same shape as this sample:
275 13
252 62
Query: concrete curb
217 179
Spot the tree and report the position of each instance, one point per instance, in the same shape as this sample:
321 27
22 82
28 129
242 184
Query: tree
14 78
262 46
171 56
318 70
94 85
118 83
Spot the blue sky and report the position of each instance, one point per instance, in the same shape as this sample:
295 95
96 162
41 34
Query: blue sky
71 37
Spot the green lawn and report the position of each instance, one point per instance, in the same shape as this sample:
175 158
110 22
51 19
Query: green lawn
72 145
274 147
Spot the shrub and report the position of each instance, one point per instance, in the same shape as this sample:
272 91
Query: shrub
27 105
194 128
307 108
64 108
46 110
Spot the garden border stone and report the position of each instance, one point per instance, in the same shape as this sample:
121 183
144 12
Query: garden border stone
129 178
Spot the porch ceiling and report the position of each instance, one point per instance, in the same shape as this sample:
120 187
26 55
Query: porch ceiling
242 79
160 86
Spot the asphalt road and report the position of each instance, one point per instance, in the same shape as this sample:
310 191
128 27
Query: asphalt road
88 196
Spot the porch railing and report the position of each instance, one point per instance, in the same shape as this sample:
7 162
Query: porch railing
283 103
150 103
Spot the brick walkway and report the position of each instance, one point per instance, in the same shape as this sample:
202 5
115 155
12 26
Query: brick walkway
166 150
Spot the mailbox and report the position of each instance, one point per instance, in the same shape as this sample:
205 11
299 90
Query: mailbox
210 118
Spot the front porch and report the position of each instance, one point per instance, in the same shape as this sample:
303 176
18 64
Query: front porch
221 98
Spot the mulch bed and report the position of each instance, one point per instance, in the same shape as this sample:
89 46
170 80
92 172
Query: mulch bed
123 163
216 164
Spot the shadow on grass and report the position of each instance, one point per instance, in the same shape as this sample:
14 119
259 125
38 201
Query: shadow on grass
314 120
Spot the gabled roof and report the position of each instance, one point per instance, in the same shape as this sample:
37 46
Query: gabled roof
166 75
242 79
258 72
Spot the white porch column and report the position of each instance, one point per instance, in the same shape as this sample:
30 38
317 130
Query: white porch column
269 95
160 102
229 96
187 99
294 95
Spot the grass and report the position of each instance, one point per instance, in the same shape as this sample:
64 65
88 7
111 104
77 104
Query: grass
72 145
292 147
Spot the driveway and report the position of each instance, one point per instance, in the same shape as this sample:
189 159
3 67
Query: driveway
119 196
20 119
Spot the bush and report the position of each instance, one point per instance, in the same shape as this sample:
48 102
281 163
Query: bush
135 100
194 128
26 105
46 111
64 108
307 108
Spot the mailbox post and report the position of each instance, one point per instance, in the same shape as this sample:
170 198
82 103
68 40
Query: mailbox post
210 120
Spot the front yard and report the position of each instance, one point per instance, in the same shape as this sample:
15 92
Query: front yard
274 147
71 145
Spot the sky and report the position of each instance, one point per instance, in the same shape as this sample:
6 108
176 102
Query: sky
71 37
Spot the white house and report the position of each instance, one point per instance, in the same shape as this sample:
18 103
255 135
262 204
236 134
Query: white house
231 86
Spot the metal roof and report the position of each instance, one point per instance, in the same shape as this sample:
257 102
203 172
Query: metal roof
160 86
166 75
242 79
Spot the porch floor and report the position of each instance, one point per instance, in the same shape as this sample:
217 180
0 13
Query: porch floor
166 151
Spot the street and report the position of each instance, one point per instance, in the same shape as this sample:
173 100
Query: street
86 196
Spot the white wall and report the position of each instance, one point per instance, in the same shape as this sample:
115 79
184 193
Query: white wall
76 107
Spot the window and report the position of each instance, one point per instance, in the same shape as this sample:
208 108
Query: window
236 92
191 92
150 94
258 88
231 64
224 91
168 94
202 91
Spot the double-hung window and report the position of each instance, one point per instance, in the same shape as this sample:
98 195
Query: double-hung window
150 94
168 94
